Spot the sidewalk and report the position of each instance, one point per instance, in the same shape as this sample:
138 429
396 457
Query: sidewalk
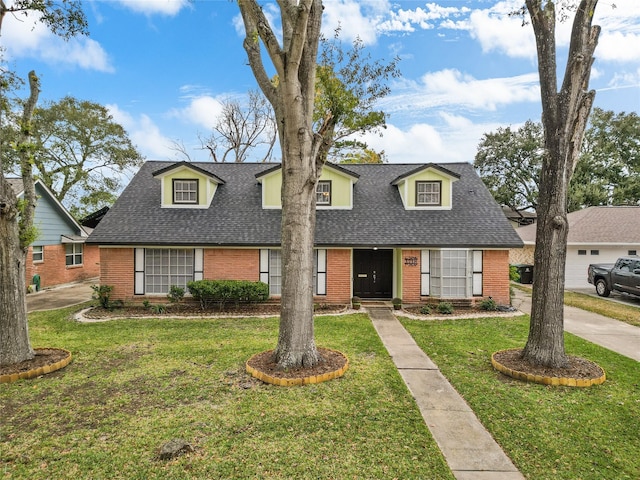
615 335
470 451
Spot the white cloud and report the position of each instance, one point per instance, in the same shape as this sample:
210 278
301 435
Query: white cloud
201 111
144 134
355 18
34 40
155 7
422 142
422 18
618 47
451 88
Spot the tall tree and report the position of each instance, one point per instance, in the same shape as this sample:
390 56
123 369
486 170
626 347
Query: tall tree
242 129
348 86
65 19
81 153
509 163
564 118
292 99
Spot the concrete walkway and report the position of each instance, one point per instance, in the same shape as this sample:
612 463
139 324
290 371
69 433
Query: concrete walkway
60 297
470 451
615 335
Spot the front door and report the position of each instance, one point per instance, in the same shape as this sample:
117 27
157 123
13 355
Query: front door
372 273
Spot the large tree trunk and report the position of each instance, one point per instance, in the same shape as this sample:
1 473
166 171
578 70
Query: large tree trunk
15 236
14 332
292 97
564 117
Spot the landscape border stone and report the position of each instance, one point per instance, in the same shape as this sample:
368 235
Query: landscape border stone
36 372
544 380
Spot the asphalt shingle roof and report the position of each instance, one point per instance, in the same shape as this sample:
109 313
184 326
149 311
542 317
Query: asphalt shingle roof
236 217
597 225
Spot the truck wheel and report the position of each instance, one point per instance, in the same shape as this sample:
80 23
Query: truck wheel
601 288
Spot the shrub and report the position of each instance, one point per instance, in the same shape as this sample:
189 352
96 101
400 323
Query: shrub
158 309
425 310
208 292
445 308
514 274
102 293
176 294
146 303
489 304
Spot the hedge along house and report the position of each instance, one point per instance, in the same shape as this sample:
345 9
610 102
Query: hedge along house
418 232
59 255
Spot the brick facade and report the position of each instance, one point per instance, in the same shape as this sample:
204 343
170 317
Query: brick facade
54 271
231 264
495 276
117 269
410 276
339 285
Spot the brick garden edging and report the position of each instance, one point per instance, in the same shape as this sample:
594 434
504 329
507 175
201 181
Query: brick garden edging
36 372
544 380
289 382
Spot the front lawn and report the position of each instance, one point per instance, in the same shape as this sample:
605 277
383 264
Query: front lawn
136 384
549 432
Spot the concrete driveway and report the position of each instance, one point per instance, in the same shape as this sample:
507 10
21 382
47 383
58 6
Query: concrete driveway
60 297
624 298
612 334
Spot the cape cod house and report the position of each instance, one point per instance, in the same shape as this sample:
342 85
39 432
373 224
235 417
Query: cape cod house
417 232
59 255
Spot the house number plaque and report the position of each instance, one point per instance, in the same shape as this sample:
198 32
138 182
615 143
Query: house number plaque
411 261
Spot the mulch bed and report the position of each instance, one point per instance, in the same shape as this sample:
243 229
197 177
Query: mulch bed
579 368
194 310
43 357
331 361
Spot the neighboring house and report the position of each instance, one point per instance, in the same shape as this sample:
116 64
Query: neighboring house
596 235
59 254
412 231
519 218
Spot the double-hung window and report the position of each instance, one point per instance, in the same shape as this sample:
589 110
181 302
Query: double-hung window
38 253
73 254
185 191
323 192
428 193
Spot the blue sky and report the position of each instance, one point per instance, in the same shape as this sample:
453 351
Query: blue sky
163 67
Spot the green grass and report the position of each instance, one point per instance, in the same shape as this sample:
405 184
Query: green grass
618 311
623 312
549 432
136 384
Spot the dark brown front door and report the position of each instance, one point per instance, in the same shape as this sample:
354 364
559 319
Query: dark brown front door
372 273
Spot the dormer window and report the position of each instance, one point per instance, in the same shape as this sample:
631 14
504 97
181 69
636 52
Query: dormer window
323 192
428 193
185 191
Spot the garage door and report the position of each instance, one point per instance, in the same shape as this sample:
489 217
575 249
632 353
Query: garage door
579 258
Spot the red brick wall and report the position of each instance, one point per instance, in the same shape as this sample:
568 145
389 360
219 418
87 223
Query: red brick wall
117 269
410 276
54 271
231 264
495 275
338 277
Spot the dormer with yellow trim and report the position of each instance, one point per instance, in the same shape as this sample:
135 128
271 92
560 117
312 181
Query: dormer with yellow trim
184 185
428 187
333 192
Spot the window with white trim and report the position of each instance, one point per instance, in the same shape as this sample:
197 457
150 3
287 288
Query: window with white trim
271 271
164 267
73 254
451 273
323 192
38 253
428 193
185 191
